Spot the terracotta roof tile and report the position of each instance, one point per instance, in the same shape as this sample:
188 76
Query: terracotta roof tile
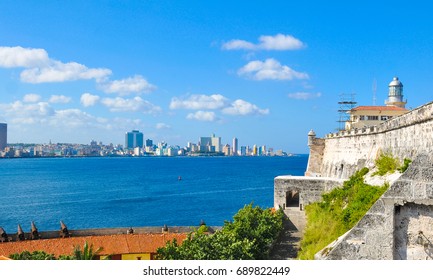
111 244
378 108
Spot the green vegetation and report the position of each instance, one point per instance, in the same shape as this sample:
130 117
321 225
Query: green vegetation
386 163
338 212
248 237
405 165
36 255
86 254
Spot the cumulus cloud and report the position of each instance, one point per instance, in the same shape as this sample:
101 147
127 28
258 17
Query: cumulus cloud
278 42
204 116
136 84
60 72
304 95
243 108
270 69
76 118
31 98
11 57
59 99
19 112
215 102
88 99
162 126
40 68
136 104
199 101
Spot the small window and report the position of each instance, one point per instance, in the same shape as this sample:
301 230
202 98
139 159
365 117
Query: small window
372 118
384 118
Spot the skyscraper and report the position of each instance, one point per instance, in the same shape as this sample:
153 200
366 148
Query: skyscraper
3 136
133 139
235 146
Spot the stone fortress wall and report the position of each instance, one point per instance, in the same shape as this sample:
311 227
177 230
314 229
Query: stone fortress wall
400 224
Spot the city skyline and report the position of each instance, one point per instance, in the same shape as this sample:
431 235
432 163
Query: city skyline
266 73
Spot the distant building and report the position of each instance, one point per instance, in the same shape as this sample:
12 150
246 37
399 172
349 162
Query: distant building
210 144
255 150
243 150
133 139
364 116
227 150
149 143
3 136
235 147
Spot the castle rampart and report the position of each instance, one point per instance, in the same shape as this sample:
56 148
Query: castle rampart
347 151
400 223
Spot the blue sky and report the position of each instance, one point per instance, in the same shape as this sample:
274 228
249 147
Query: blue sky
265 72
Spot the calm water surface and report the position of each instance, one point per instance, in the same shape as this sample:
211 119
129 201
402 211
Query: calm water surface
124 192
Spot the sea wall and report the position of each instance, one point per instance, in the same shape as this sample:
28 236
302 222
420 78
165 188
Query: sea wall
110 231
342 153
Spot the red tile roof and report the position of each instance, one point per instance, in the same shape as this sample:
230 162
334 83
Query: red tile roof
111 244
378 108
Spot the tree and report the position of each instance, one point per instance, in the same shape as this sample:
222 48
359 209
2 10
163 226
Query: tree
86 254
248 237
35 255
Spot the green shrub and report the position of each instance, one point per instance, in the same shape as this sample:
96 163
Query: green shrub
248 237
385 164
405 165
338 212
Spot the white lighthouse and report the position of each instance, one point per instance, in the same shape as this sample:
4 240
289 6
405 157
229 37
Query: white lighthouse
395 94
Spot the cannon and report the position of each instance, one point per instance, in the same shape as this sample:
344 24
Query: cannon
20 234
3 235
63 230
34 234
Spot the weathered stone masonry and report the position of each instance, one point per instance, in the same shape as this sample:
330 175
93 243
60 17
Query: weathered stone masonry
400 224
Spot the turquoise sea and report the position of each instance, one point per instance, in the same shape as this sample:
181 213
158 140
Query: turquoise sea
133 192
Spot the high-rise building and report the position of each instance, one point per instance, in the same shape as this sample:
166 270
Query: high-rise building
133 139
210 144
149 143
3 136
227 150
243 150
235 146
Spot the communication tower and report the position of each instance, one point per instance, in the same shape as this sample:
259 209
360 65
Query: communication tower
347 102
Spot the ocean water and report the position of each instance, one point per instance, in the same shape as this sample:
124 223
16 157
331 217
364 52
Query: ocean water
134 192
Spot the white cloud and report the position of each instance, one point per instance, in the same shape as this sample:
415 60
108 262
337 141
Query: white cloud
204 116
270 69
31 98
162 126
197 102
243 108
304 95
238 45
18 112
59 99
136 104
88 99
76 118
22 57
40 68
61 72
136 84
278 42
215 102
